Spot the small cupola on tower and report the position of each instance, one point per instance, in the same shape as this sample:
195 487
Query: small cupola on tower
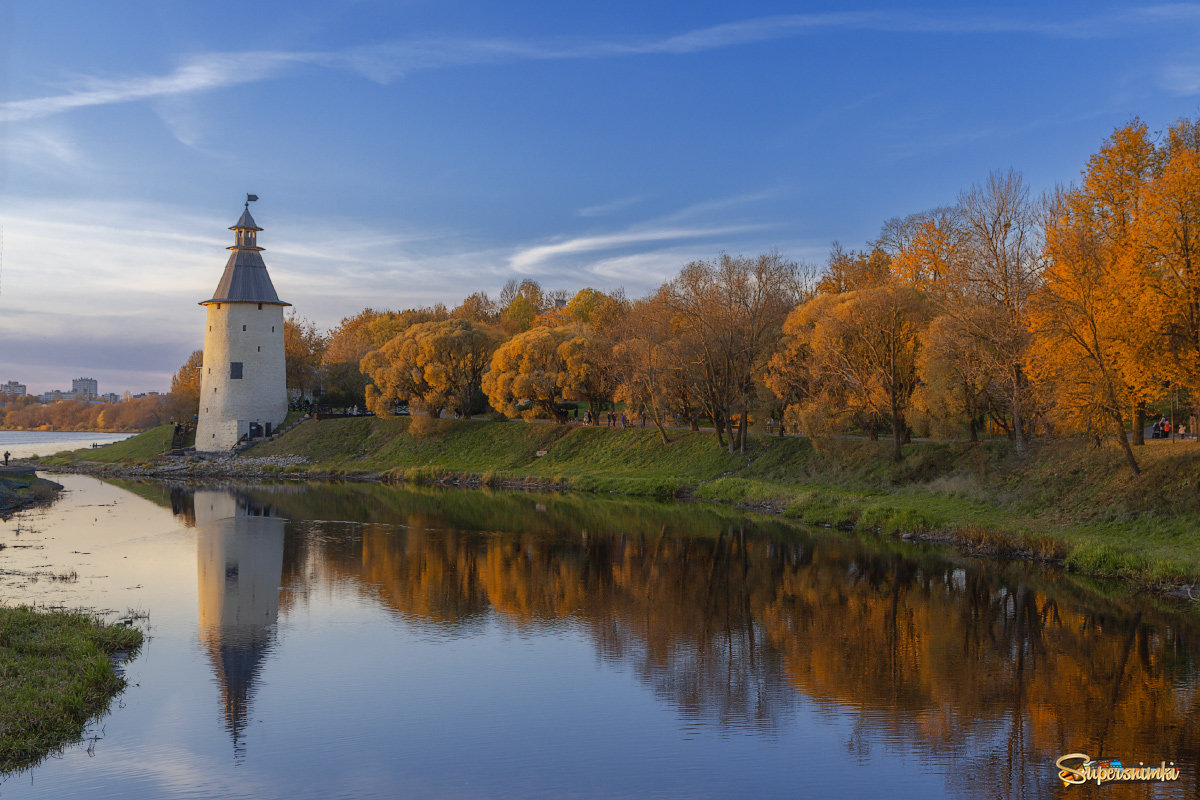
245 231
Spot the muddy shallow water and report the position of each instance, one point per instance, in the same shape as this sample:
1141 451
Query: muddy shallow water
373 641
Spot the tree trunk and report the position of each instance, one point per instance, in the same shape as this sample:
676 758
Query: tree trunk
1017 411
973 425
1139 424
662 432
898 431
1119 429
742 430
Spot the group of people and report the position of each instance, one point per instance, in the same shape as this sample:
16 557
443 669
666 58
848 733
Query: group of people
1162 429
610 418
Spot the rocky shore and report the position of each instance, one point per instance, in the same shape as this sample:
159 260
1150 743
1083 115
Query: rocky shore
192 469
202 467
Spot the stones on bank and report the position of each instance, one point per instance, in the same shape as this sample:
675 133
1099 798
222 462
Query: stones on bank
192 465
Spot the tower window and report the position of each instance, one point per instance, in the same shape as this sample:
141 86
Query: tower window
272 329
243 327
260 306
260 348
235 370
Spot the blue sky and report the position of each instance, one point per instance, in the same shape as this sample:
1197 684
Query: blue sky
412 152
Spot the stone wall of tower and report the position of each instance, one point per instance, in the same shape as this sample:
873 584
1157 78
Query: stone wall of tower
250 334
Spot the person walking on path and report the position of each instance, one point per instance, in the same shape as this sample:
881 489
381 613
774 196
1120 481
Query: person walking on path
6 455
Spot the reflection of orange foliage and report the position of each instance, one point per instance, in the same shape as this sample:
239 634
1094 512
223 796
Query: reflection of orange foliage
940 656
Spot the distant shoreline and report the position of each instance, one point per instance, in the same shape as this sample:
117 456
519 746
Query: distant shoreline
131 431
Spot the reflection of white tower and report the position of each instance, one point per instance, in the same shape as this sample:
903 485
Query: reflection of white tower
243 381
239 550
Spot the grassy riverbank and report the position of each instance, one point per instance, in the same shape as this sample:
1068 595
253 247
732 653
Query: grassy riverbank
147 445
56 673
20 488
1064 500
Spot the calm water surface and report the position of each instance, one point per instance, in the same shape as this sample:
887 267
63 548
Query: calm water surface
23 444
367 641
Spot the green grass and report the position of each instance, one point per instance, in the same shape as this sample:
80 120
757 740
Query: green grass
55 675
138 448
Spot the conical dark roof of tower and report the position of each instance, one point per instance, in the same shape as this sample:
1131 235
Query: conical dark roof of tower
245 279
245 221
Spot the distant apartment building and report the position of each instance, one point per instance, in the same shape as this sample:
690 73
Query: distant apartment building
12 389
85 388
111 397
56 396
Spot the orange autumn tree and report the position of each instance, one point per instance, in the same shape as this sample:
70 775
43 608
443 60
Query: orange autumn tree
862 351
184 400
1077 326
1109 201
1168 239
433 365
524 376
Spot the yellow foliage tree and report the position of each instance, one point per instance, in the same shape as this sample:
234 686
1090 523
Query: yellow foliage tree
587 370
432 365
862 348
1077 327
524 376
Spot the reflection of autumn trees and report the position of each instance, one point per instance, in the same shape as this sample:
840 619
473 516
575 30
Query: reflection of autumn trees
987 672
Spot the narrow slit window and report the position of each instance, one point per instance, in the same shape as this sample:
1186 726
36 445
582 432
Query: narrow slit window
235 370
243 327
260 306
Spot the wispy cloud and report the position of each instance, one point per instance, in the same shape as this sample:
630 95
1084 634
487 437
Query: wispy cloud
199 73
703 220
611 207
705 207
530 258
387 61
1182 79
45 149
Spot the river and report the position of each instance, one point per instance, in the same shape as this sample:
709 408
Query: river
23 444
313 641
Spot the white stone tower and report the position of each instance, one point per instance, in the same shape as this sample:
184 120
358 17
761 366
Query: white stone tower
243 385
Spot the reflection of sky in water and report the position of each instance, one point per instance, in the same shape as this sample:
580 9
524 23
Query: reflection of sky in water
314 659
